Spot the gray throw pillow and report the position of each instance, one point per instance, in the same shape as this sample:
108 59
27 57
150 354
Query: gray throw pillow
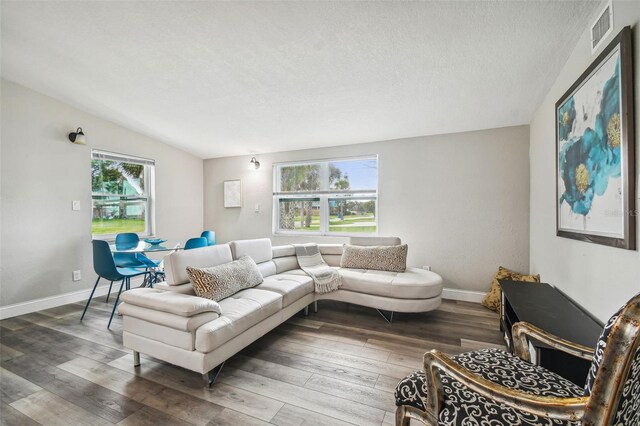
219 282
381 258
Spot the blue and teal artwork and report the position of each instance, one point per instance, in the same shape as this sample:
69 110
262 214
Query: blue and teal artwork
590 154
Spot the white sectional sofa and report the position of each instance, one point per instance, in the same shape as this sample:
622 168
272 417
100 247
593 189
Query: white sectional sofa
172 324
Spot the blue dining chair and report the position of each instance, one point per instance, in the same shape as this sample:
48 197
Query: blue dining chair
193 243
105 266
128 241
210 236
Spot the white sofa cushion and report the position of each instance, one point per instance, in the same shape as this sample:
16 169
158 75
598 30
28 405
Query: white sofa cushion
285 263
150 330
240 312
166 319
259 249
326 249
175 264
173 303
291 287
180 288
267 268
414 283
282 251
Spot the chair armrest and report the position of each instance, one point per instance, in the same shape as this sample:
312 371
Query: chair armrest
546 406
184 305
523 331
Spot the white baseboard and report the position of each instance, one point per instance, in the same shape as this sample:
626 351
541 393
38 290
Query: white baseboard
55 301
463 295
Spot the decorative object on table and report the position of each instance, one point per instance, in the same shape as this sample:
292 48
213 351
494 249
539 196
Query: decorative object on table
379 258
77 137
494 387
325 278
154 241
492 299
595 138
221 281
254 164
232 193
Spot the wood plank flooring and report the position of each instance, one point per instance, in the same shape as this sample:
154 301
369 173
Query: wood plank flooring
335 367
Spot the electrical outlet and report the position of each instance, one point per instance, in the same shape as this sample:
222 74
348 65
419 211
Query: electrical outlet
75 205
257 208
428 268
77 275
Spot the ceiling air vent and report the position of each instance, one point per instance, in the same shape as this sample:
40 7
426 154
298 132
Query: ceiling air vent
602 27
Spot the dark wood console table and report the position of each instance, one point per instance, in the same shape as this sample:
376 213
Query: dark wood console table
546 307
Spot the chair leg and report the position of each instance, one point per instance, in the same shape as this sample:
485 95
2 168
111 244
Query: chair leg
109 292
315 307
128 286
115 305
306 311
136 359
90 297
401 416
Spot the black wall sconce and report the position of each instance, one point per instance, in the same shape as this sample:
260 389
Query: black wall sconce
254 164
77 137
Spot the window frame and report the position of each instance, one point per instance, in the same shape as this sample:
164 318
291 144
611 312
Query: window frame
324 194
149 177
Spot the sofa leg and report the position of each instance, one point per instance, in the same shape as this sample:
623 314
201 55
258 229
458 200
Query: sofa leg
136 359
315 307
306 311
210 377
387 318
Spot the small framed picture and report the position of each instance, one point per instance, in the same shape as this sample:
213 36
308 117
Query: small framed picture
232 193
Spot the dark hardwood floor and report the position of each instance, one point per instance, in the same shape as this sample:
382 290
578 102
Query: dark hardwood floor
338 366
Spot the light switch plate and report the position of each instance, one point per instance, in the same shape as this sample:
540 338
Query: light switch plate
77 275
257 208
75 205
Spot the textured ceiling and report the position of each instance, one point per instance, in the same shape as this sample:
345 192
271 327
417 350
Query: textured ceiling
229 78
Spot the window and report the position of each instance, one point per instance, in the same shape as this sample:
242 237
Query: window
332 197
122 194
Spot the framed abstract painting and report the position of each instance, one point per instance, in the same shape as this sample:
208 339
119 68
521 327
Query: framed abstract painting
595 156
232 193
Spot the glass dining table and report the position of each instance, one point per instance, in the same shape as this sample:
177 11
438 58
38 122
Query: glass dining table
144 247
154 267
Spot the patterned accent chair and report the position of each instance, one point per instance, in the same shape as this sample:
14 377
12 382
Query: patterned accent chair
493 387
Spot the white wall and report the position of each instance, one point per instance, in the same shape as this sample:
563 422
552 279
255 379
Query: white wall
43 240
599 278
461 201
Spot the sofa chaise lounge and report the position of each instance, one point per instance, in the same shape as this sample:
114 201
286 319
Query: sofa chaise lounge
172 324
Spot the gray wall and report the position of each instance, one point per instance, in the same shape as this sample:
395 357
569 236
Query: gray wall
461 201
43 240
599 278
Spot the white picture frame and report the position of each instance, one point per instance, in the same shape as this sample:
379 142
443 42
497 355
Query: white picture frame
232 193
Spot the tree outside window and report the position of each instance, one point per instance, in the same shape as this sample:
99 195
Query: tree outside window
326 197
120 188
